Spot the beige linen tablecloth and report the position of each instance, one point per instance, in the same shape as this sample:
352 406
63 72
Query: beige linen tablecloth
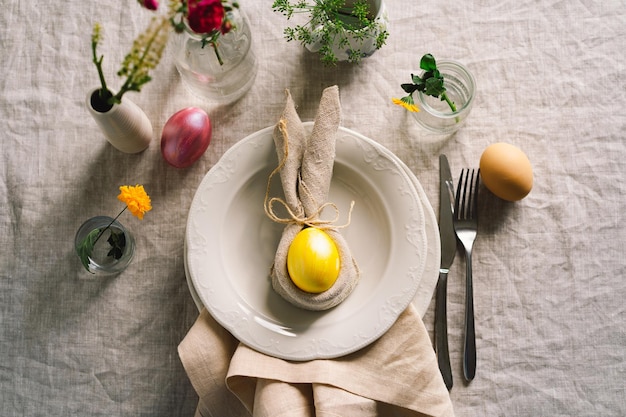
549 270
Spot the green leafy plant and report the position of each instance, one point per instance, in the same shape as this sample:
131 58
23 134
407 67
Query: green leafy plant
430 83
338 21
144 56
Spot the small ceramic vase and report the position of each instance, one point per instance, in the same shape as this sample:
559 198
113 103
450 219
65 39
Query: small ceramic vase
124 125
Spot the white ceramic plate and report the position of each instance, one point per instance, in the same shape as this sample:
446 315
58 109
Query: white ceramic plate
230 246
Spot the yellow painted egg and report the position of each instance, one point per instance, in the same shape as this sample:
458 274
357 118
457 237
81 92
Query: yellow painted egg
313 260
506 171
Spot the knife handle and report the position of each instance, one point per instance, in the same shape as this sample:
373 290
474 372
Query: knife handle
441 330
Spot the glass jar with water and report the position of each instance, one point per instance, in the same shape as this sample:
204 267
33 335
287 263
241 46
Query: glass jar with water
220 72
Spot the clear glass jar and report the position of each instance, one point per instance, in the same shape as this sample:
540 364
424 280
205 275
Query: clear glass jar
113 250
200 67
435 115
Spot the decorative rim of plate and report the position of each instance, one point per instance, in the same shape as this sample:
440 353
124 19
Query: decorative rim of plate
276 336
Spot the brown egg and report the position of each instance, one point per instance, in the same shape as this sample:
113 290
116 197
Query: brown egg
506 171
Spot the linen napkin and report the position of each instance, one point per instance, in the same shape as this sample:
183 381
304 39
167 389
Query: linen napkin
397 375
306 169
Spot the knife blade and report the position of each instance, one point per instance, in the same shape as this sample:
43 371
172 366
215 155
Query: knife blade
448 251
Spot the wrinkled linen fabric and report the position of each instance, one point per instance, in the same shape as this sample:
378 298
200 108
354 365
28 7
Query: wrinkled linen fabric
396 375
549 270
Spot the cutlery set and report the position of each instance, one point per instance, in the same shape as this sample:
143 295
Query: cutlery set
458 219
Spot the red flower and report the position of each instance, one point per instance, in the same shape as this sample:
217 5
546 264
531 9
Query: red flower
149 4
205 16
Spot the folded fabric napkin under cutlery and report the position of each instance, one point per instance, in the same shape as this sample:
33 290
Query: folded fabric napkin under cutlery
396 375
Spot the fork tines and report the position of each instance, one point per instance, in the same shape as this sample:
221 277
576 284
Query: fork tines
466 201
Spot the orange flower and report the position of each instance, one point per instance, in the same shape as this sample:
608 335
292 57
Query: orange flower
407 103
136 199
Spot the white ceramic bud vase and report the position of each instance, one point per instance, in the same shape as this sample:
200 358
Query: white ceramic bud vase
124 125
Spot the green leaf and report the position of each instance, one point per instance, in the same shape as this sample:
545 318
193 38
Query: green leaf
381 39
428 63
434 87
416 79
117 240
409 88
85 248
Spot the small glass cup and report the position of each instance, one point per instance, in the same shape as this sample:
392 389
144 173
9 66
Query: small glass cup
435 115
114 249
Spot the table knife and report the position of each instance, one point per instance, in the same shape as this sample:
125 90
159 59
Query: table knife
448 251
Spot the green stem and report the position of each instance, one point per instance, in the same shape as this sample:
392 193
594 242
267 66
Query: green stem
445 97
217 53
212 40
105 229
98 62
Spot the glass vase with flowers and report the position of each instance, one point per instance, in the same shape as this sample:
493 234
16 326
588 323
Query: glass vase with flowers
441 98
214 55
104 246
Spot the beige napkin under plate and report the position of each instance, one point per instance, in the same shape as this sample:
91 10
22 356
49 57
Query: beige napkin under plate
397 375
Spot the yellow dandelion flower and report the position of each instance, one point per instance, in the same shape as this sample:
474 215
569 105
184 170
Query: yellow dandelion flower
136 199
407 103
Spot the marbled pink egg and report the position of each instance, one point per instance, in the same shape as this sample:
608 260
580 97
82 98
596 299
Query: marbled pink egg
186 136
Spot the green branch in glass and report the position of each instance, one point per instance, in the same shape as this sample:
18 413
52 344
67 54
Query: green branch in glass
430 83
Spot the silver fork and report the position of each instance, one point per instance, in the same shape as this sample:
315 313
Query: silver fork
465 226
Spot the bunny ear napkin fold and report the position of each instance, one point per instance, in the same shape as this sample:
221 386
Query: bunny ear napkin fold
306 169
